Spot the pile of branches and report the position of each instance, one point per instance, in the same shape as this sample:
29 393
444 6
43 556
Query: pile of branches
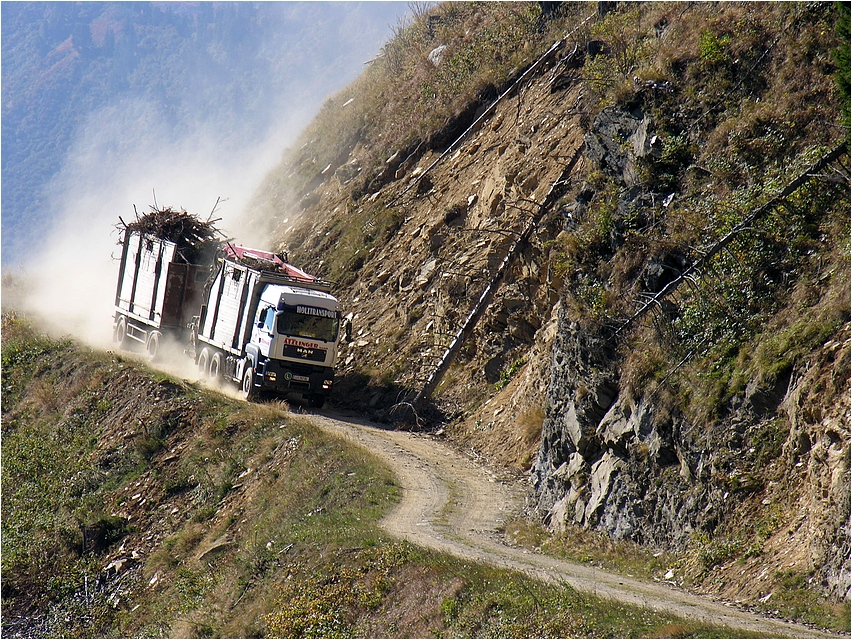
197 241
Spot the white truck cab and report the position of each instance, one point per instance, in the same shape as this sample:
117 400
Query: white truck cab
297 325
269 326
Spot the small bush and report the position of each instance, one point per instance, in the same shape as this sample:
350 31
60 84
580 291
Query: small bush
625 49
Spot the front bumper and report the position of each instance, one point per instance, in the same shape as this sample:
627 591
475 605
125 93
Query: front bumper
287 377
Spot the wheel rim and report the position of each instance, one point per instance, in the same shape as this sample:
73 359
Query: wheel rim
215 366
120 331
153 346
248 382
202 363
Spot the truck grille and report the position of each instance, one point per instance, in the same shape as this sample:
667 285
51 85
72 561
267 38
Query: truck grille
304 353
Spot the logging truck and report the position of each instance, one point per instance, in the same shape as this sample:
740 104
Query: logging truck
244 315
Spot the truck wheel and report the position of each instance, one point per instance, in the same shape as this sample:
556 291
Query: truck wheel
204 363
215 366
153 345
121 331
317 401
247 390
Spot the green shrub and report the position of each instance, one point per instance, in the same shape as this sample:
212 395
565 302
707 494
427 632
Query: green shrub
713 48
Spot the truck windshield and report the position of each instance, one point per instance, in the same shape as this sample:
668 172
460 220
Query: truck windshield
291 323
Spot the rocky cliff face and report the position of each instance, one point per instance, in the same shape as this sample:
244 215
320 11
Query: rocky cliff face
614 460
640 463
431 239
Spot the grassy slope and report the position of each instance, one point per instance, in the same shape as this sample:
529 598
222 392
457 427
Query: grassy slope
403 104
209 517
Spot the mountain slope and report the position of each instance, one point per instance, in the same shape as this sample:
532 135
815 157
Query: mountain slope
634 166
716 424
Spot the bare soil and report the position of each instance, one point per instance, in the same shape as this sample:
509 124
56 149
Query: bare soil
453 504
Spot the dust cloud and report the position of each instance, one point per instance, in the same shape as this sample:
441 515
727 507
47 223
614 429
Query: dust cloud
126 154
71 284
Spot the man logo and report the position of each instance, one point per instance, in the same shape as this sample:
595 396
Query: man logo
288 376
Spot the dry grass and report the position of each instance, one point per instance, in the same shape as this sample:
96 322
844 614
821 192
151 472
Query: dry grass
403 103
591 547
244 522
529 423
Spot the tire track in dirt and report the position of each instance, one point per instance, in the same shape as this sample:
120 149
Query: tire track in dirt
451 504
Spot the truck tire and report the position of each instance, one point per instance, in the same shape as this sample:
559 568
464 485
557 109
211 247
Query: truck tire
204 363
153 346
121 331
215 366
317 401
247 389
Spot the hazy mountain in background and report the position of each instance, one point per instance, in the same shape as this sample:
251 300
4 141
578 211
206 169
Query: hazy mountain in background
102 100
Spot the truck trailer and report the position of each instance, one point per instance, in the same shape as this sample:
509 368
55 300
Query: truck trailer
158 293
243 315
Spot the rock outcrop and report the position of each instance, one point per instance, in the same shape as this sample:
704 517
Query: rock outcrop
638 466
610 461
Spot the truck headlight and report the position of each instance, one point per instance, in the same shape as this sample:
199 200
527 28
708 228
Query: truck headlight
326 384
271 376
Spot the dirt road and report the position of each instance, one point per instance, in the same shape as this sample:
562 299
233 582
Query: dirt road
451 504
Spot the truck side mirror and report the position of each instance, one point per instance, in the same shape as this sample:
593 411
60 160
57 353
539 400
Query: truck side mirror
347 330
263 318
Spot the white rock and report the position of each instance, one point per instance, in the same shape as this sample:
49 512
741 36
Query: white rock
436 55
